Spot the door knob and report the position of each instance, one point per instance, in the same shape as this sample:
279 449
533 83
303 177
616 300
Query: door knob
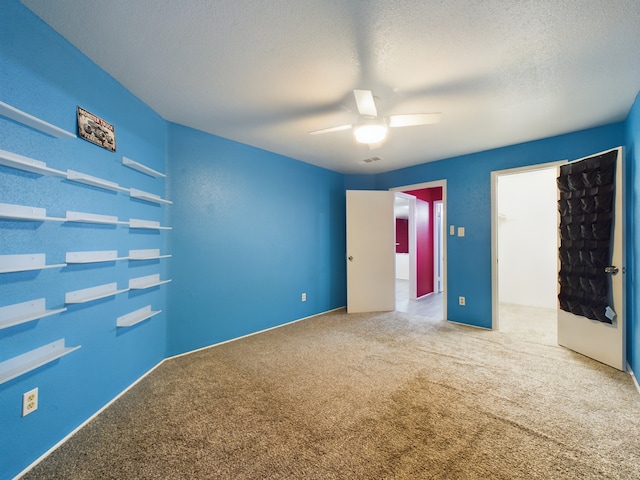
611 270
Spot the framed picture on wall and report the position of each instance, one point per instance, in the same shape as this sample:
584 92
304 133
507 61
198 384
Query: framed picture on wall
96 130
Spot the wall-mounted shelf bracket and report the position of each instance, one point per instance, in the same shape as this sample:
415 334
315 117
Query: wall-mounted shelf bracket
26 164
149 197
82 217
93 293
16 366
148 281
21 212
24 263
24 118
136 316
93 257
146 224
141 168
148 254
19 313
78 177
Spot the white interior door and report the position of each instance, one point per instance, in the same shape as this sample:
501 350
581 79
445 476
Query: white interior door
370 251
602 341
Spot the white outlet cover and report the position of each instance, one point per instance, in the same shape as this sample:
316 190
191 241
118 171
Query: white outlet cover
461 231
29 402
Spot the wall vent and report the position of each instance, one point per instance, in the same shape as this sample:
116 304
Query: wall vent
371 160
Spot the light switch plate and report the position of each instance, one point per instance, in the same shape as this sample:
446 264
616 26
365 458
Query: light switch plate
461 231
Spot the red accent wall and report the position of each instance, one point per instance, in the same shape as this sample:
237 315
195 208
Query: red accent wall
425 211
402 235
424 249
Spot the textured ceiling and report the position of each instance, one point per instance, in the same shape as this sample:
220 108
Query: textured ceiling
266 72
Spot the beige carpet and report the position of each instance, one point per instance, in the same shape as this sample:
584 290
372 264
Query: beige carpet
368 396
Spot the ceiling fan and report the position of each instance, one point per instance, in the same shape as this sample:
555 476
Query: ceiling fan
371 129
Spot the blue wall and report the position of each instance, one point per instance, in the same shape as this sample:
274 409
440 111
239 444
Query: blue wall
469 205
40 73
633 241
252 231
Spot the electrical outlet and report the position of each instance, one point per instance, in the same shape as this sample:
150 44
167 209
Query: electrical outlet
304 297
462 301
29 402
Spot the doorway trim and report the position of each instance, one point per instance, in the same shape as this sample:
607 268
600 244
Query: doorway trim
438 242
495 297
412 242
433 184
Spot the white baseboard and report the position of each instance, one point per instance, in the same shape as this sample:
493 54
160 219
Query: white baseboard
254 333
467 325
635 379
75 430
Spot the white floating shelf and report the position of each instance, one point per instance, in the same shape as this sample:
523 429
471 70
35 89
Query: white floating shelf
24 118
16 366
26 164
25 312
148 224
141 168
93 293
93 257
74 176
24 263
137 316
82 217
21 212
149 254
149 281
149 197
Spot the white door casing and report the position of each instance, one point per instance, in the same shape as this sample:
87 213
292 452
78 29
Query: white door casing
438 241
495 221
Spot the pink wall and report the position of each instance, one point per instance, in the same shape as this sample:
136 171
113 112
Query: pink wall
425 211
402 235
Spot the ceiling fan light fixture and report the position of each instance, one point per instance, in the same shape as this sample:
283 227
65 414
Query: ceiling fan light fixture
370 131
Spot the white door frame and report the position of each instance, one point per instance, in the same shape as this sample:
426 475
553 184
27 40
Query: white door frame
495 302
434 184
412 242
438 242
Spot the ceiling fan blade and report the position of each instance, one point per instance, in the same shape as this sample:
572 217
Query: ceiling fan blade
413 119
365 103
331 129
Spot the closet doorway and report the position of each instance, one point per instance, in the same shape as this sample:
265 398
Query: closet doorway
525 251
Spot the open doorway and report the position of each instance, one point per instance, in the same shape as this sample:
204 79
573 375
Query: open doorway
421 250
525 251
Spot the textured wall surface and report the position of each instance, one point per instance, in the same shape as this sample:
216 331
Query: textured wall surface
40 73
633 243
253 231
